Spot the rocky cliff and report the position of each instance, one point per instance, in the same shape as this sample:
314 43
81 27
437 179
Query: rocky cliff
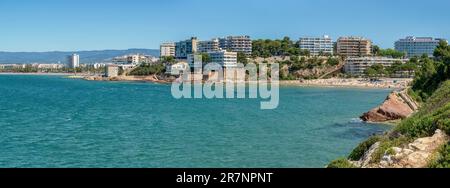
398 105
417 154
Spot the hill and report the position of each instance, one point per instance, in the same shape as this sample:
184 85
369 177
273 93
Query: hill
87 57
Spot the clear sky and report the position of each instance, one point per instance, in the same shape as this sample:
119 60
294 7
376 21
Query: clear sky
70 25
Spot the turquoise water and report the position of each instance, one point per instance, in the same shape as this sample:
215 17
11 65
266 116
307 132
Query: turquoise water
50 121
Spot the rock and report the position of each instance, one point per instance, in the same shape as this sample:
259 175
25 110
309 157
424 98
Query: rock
393 108
416 154
367 157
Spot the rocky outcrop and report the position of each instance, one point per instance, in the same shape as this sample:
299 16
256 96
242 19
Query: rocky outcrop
415 155
367 157
394 107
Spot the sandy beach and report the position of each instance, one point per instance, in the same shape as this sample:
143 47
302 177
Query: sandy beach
388 83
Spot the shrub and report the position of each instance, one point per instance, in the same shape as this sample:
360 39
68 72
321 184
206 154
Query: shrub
362 148
385 147
341 163
442 160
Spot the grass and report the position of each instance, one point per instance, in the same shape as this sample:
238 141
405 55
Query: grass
442 159
362 148
341 163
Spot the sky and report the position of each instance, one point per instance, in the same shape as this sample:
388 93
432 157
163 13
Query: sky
73 25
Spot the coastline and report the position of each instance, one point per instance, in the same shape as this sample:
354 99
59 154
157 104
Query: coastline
37 74
384 83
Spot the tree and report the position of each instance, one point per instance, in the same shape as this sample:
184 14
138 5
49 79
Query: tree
375 49
242 58
206 58
332 61
168 59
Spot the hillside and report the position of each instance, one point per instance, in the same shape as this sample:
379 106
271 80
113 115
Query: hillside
87 57
421 140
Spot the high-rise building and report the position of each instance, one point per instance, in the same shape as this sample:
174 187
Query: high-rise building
73 61
353 47
417 46
317 45
167 50
237 44
184 48
207 46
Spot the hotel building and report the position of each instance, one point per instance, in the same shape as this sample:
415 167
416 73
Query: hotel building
357 65
353 47
167 50
317 45
73 61
417 46
237 44
207 46
222 57
184 48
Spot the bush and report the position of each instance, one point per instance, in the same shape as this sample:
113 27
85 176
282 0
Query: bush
362 148
147 69
442 160
386 145
341 163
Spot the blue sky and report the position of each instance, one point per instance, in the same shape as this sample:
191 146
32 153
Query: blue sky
68 25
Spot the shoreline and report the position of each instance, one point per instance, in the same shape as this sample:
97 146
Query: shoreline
384 83
38 74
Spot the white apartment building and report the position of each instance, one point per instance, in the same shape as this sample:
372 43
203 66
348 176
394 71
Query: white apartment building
317 45
358 65
222 57
167 50
177 68
73 61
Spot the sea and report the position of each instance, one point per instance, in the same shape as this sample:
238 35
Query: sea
57 122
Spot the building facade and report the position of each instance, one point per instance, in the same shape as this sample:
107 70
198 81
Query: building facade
224 58
354 47
237 44
316 45
358 65
184 48
207 46
112 70
417 46
73 61
167 50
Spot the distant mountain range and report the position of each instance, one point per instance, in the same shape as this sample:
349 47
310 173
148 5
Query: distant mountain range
87 57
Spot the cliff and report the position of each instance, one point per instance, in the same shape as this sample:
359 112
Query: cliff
419 141
398 105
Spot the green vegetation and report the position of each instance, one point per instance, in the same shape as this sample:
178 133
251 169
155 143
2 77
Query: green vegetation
432 87
442 158
148 69
341 163
362 148
285 47
242 58
168 59
387 52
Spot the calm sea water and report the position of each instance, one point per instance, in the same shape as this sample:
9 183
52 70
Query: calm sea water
50 121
